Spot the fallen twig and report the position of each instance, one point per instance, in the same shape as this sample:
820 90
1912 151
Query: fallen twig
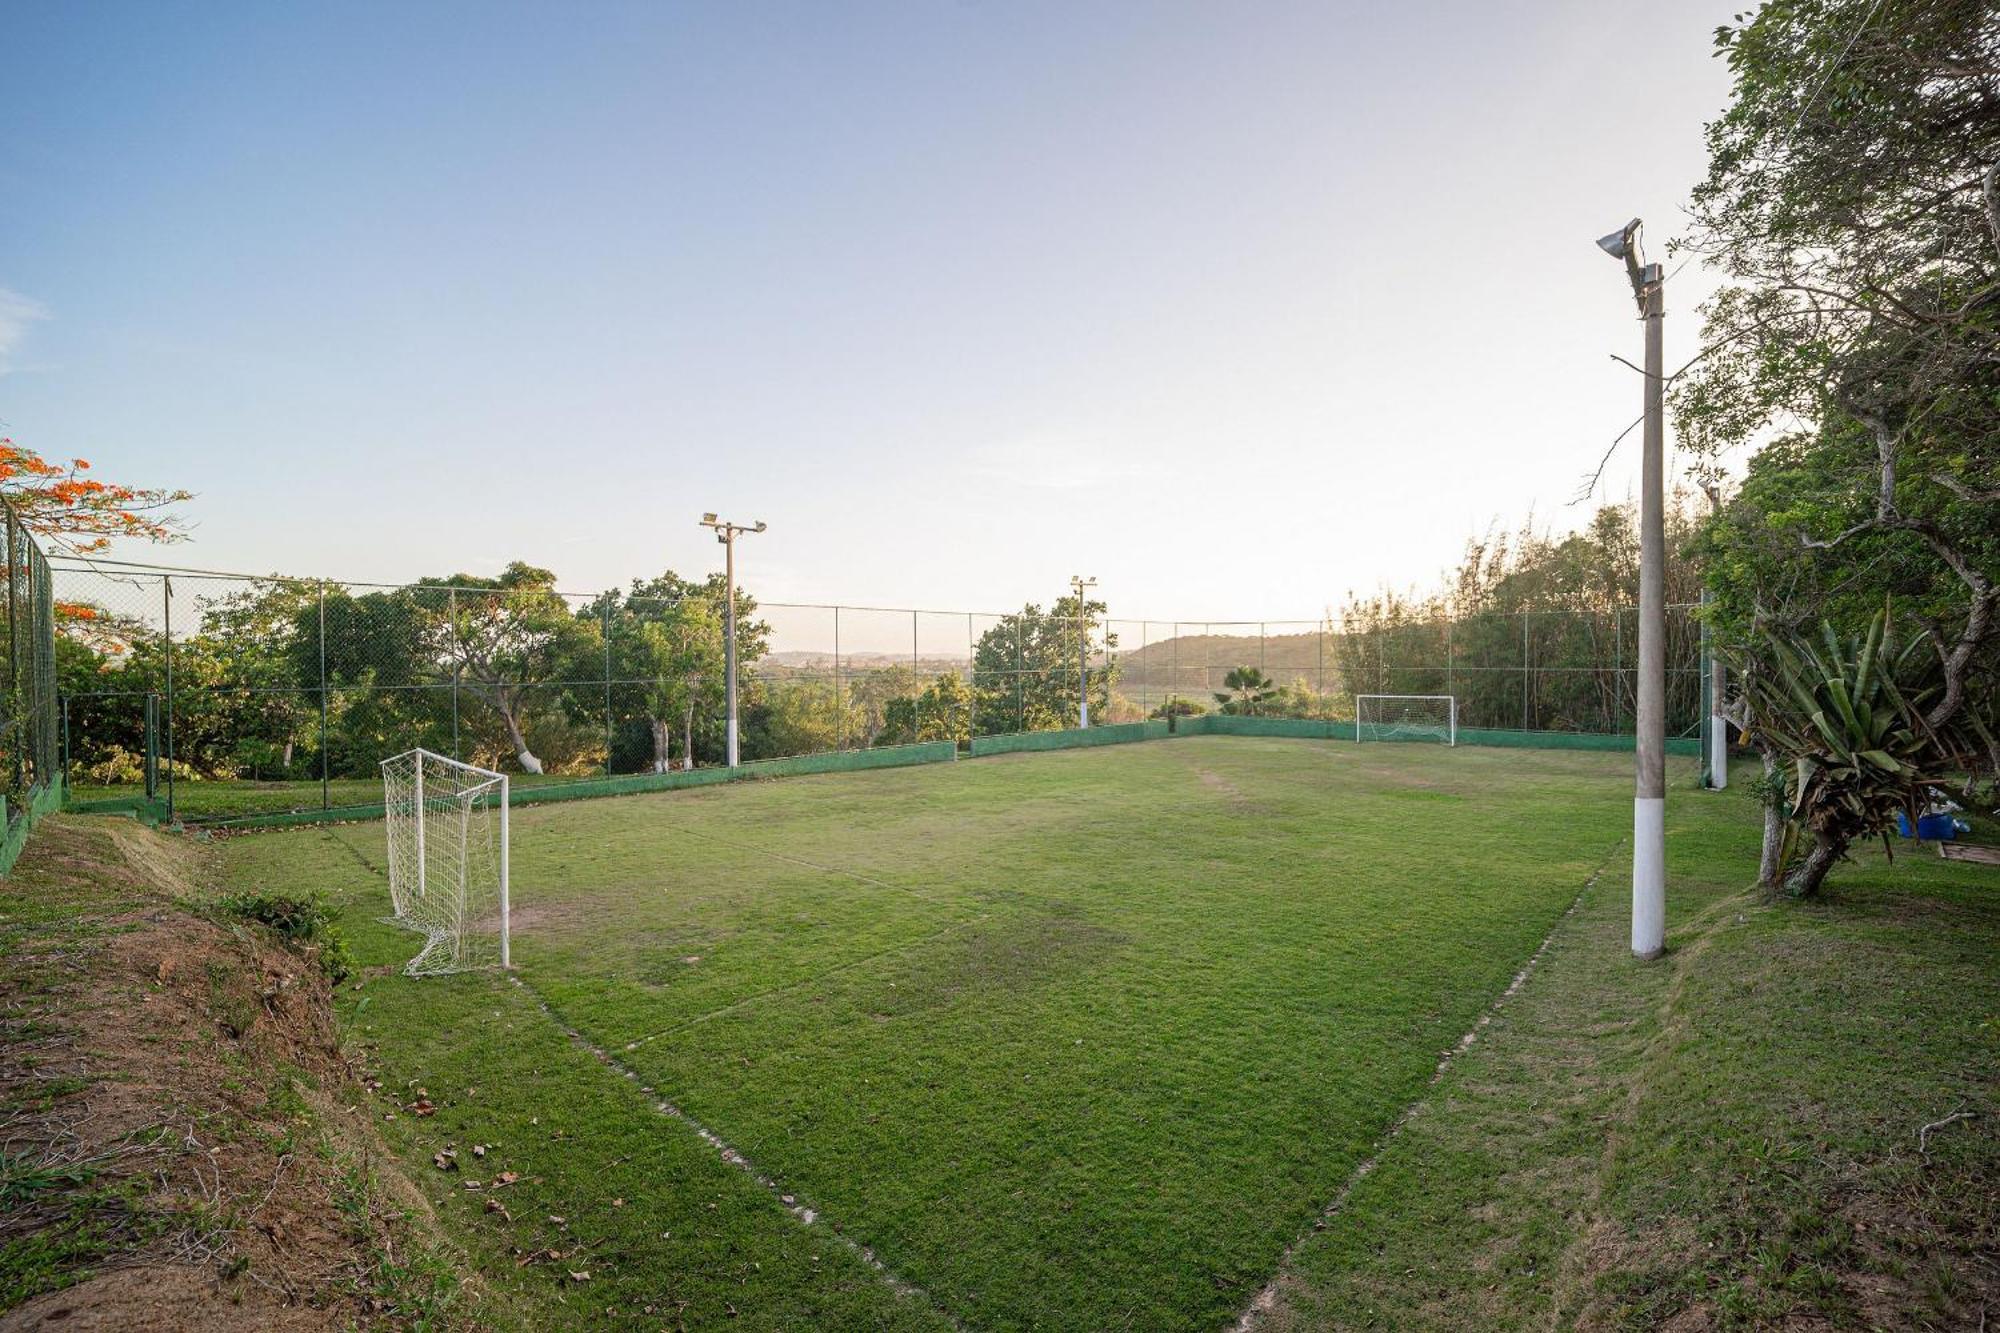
1924 1134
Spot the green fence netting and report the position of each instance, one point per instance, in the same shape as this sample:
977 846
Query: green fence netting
1116 733
30 716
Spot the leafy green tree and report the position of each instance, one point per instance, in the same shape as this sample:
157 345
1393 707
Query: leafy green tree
1532 629
1851 204
943 712
870 693
1027 667
500 639
666 662
804 717
1246 690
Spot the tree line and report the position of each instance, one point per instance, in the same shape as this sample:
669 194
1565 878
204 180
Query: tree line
290 678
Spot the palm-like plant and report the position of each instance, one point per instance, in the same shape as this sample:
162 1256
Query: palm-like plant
1247 690
1845 719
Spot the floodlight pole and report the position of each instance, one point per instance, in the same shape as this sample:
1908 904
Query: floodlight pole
1079 583
726 534
1649 799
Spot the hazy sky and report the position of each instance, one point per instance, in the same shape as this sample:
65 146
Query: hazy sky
1237 307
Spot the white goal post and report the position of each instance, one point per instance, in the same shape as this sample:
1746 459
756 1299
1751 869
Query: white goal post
447 826
1406 717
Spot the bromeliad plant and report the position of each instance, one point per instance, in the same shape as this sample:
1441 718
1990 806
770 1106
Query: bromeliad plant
1845 719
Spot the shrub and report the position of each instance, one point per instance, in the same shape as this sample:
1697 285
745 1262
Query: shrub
303 921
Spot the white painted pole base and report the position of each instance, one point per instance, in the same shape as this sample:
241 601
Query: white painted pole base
1649 876
1718 753
732 742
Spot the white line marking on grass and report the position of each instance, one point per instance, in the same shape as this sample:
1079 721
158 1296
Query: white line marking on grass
1267 1299
809 1217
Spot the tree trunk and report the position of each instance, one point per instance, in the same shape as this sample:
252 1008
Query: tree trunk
1805 881
687 743
522 754
663 735
1771 861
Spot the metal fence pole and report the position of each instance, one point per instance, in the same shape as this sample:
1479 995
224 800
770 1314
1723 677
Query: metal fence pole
1449 687
1524 671
839 687
608 734
325 801
1020 690
16 722
65 740
167 622
1617 671
457 667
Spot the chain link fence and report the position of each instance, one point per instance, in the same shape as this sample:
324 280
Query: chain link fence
219 695
30 742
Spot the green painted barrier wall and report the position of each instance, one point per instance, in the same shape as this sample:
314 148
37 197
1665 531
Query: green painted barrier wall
41 801
1566 740
1116 733
1297 728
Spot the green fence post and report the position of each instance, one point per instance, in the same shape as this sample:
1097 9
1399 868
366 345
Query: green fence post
150 742
607 683
167 623
1524 672
15 720
457 666
325 773
1020 691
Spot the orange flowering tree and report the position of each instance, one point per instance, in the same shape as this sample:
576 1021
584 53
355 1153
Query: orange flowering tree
76 514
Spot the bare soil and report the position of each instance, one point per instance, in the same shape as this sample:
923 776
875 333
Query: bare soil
173 1092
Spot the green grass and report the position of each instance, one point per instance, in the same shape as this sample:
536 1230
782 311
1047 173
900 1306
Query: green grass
1725 1138
1081 1040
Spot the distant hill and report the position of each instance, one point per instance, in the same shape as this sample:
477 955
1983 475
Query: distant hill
1193 663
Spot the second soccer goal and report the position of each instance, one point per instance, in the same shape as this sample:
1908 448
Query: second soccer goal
1406 717
448 860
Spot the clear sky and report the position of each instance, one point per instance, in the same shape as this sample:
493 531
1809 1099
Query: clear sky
1236 307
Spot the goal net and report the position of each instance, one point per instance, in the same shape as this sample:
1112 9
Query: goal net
447 860
1406 717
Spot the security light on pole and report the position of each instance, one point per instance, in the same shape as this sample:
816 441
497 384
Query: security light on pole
1078 582
1649 799
726 534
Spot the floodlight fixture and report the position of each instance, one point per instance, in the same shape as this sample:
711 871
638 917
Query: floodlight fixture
1620 243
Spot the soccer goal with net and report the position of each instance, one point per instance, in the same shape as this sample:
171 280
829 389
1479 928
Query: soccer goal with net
1406 717
448 860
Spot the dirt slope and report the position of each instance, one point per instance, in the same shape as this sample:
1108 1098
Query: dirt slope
177 1150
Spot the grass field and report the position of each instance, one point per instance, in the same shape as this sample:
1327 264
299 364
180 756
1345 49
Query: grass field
1075 1040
